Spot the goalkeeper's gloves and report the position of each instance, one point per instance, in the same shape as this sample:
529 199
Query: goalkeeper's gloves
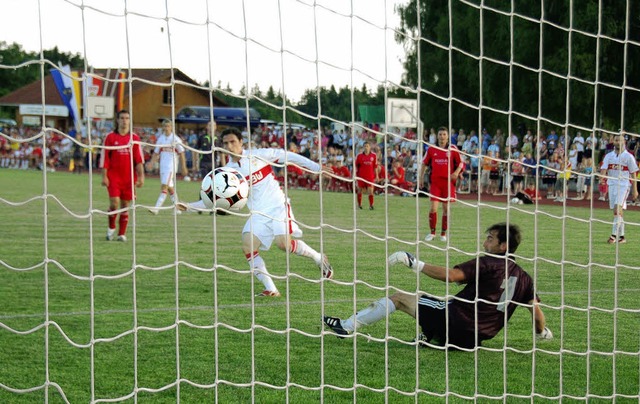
404 258
545 334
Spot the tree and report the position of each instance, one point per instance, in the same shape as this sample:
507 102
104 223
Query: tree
485 63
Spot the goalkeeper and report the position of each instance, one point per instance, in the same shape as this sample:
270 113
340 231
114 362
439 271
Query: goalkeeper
494 287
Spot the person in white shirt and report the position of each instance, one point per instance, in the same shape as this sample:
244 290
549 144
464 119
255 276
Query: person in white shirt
169 149
618 170
579 142
271 219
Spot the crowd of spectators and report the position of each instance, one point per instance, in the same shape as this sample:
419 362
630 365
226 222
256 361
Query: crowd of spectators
495 162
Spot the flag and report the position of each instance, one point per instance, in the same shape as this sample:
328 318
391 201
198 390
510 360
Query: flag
76 93
120 95
65 91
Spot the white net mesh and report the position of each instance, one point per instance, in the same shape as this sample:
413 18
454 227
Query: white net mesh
171 314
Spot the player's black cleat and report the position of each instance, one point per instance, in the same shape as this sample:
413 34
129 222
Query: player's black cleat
421 339
336 326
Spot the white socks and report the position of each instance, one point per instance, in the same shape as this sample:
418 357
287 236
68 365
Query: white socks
375 312
299 247
260 271
618 226
161 199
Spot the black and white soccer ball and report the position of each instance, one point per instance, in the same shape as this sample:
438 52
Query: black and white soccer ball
224 188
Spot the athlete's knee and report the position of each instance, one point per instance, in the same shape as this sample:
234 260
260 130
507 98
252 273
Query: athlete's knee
281 242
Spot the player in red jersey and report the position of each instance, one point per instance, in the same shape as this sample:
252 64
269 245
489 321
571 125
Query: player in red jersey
366 174
445 165
121 153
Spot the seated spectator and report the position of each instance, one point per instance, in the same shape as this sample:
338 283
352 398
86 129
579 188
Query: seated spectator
342 184
398 178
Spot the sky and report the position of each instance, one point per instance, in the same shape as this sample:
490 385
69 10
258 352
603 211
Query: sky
205 38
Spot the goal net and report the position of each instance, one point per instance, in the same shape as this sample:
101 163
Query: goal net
532 95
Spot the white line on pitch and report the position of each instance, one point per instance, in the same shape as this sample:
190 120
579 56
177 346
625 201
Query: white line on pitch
248 305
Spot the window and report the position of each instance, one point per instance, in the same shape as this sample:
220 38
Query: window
166 96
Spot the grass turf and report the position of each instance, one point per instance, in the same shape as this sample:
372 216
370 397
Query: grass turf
171 314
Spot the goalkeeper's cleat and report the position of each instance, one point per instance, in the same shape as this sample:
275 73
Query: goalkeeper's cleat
622 240
110 234
612 239
268 293
443 238
430 237
153 211
336 326
122 238
421 340
402 257
327 270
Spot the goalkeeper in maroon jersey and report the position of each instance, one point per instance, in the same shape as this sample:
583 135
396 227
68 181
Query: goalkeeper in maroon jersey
121 154
445 166
495 286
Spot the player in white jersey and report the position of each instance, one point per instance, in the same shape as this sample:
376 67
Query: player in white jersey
618 170
271 217
170 150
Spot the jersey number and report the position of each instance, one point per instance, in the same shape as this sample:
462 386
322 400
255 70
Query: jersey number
509 286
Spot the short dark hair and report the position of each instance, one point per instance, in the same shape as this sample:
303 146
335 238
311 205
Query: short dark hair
443 128
231 131
504 230
122 111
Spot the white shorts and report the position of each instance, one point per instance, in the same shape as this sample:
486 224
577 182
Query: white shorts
166 176
267 225
618 196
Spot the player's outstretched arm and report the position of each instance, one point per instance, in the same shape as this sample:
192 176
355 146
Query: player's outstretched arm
432 271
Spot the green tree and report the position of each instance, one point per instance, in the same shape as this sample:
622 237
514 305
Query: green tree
479 57
14 55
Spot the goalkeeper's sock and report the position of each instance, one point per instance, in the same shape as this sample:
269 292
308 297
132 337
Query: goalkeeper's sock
256 263
359 199
370 200
375 312
445 224
299 247
161 199
174 197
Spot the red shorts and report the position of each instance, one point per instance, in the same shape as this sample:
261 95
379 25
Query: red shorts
121 189
443 190
365 183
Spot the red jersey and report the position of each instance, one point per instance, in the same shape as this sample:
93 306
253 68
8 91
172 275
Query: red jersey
118 161
342 171
366 166
442 162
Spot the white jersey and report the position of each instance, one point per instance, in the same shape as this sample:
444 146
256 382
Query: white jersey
619 168
169 147
265 193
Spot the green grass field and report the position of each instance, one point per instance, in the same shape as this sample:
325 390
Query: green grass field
170 314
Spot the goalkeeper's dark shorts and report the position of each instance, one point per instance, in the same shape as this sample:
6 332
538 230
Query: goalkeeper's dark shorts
432 319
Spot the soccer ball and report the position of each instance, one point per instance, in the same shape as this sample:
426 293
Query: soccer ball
224 188
186 178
